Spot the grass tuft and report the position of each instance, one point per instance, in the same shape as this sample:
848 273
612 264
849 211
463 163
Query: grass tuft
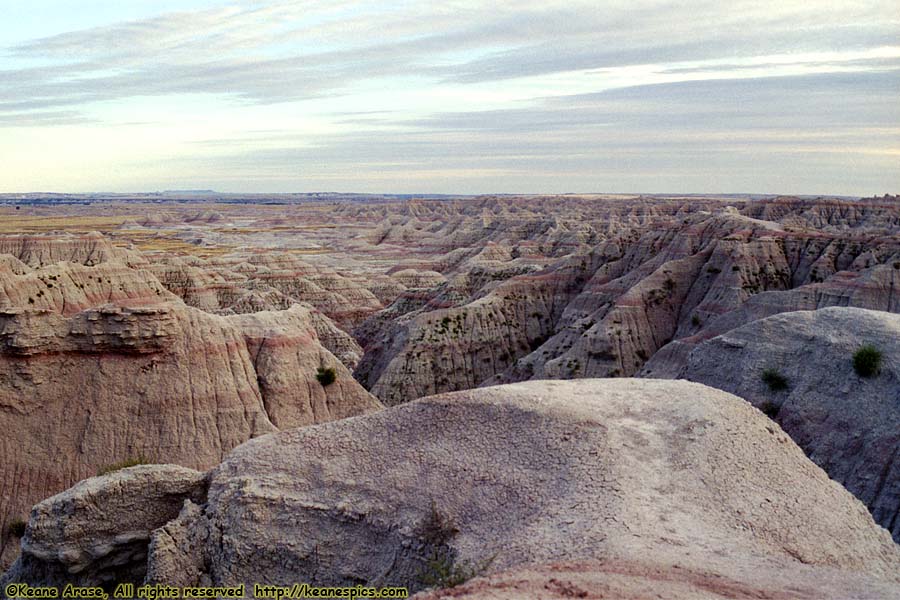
326 376
441 569
867 361
775 380
16 528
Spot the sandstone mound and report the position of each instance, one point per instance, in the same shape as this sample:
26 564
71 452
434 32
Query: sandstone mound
848 425
638 471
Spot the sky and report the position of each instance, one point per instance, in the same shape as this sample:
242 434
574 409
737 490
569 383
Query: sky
459 96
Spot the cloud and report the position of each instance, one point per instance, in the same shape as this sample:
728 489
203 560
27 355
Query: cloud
43 118
506 90
286 51
635 139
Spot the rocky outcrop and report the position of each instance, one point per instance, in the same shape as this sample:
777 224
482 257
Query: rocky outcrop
162 382
286 353
241 283
97 532
627 472
847 424
428 352
875 288
68 288
411 278
252 282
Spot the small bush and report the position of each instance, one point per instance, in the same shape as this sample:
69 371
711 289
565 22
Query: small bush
16 528
441 569
867 361
437 528
130 462
775 380
326 376
695 320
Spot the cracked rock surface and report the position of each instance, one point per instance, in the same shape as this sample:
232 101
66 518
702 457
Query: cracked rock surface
847 424
665 474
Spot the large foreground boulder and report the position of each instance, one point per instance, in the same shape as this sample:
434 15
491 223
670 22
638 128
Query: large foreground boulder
847 424
646 472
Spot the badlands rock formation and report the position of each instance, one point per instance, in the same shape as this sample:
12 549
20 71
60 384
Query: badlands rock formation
643 478
247 283
530 297
101 364
848 425
184 330
40 250
241 283
875 288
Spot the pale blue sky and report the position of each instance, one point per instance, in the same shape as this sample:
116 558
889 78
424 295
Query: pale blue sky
460 96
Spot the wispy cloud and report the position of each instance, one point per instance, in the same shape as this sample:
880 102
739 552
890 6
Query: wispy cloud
466 83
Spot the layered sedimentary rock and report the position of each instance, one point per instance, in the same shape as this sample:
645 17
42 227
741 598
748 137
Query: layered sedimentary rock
41 250
847 424
251 282
666 280
875 288
439 296
106 366
241 283
626 472
286 353
67 288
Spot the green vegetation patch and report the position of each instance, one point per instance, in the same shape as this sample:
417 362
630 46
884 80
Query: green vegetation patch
442 570
867 361
16 528
326 375
775 380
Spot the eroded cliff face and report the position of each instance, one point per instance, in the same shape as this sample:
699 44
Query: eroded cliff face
42 250
250 282
106 365
638 287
